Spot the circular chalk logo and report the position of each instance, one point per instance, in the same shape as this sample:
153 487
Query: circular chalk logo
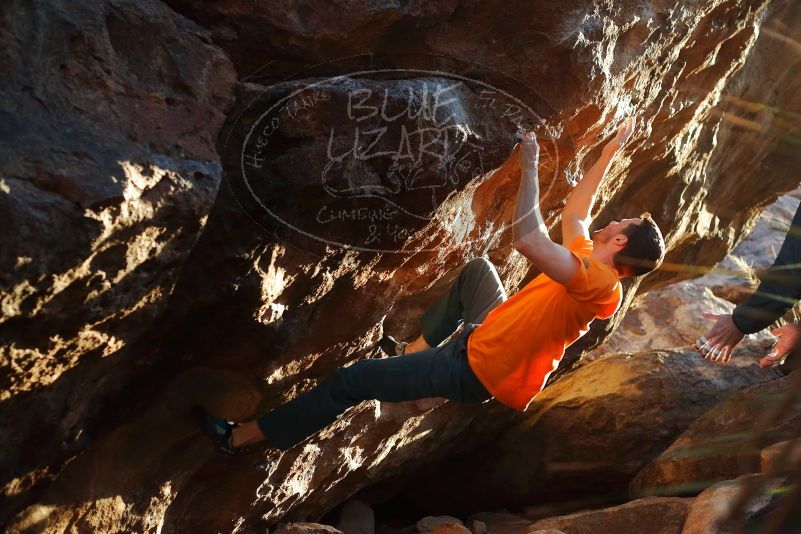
363 152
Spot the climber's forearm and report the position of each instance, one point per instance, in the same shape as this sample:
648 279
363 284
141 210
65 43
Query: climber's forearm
531 235
581 199
528 222
528 229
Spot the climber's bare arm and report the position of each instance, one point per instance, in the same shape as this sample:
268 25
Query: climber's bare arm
528 229
577 214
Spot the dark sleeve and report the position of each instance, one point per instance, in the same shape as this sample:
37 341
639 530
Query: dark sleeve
780 286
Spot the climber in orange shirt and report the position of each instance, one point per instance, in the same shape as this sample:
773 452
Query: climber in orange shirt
508 346
579 281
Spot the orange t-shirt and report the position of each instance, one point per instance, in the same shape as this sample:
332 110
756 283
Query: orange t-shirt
522 340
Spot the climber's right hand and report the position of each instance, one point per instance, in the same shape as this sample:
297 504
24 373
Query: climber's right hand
530 149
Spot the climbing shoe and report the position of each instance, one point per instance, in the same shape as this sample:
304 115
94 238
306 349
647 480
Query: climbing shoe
391 347
218 429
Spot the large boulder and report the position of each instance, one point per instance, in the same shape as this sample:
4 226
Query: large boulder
662 515
715 447
780 457
306 528
498 523
709 512
109 114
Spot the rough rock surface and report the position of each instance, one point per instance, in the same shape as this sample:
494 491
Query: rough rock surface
775 458
662 515
595 428
257 318
305 528
713 447
499 523
708 511
109 114
659 515
441 525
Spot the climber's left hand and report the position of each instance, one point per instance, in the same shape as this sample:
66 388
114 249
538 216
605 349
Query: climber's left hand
623 134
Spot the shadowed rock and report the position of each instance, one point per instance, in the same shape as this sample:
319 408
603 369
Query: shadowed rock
109 113
663 515
708 512
714 448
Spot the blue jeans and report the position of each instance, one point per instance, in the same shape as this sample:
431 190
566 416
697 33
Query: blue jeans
436 372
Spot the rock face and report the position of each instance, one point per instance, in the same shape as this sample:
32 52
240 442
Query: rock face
710 509
441 525
499 523
774 458
110 158
306 528
109 115
661 515
595 428
713 448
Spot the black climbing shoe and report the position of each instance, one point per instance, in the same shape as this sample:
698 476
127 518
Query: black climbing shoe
390 347
218 429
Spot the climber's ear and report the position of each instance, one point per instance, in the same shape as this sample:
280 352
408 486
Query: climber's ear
620 240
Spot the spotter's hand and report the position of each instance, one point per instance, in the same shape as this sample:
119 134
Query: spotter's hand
789 337
719 341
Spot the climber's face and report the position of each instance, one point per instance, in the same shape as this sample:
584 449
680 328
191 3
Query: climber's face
614 232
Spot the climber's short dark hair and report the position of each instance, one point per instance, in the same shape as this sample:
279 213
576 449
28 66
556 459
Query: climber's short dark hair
644 250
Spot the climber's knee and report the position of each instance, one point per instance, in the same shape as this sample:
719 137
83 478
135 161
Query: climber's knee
480 264
343 384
